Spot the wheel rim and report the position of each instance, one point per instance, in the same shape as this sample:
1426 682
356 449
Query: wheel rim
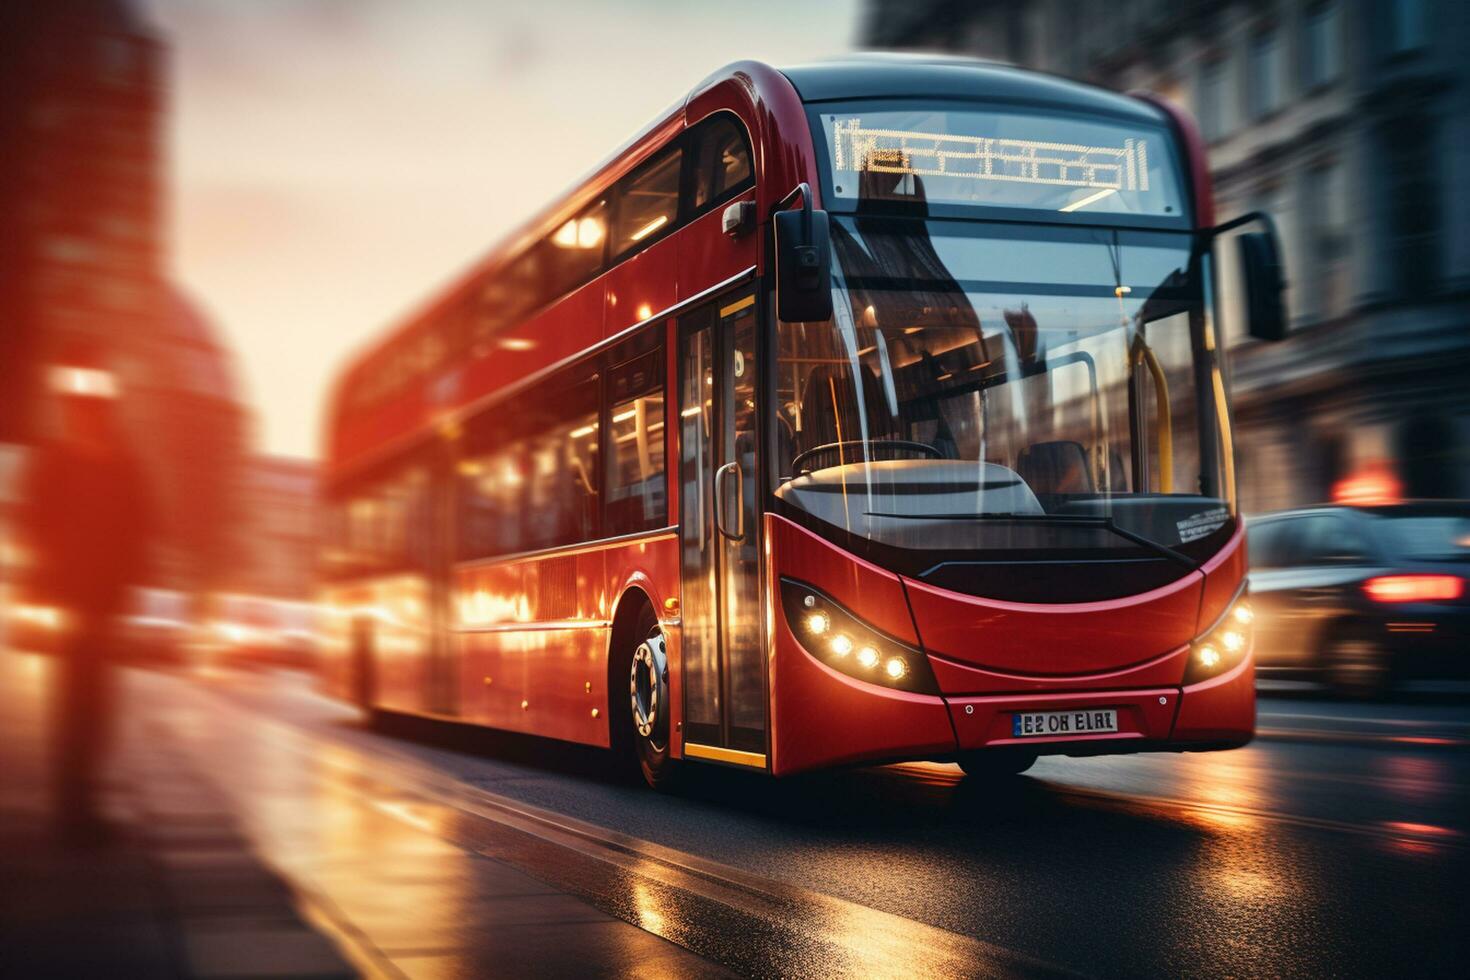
1358 666
648 690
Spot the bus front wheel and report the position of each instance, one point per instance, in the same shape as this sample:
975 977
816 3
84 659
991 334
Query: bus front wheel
649 703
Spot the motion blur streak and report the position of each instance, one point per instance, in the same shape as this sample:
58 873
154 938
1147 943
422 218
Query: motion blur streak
1420 829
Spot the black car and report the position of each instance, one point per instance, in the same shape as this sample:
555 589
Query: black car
1363 597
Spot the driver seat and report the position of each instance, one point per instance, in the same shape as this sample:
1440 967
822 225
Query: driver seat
831 411
1055 468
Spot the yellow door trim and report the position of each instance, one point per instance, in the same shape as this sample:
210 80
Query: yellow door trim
693 750
737 306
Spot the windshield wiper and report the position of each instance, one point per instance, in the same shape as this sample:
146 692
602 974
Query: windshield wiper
1071 520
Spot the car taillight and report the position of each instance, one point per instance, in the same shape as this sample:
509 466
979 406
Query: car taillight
1414 588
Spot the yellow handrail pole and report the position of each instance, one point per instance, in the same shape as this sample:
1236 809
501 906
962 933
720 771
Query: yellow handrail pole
1226 437
1143 353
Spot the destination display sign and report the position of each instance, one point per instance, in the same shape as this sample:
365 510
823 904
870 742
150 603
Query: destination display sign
1000 160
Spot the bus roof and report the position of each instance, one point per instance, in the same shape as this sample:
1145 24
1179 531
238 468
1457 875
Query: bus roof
874 75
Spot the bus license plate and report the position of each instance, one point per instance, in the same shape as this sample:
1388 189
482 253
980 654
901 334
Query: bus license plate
1078 722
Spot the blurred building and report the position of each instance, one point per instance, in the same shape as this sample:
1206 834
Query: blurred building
281 547
83 225
1349 121
188 421
83 190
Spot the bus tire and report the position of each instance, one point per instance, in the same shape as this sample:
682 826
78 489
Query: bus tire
645 708
995 763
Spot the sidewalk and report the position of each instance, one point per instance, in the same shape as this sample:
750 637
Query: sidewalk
179 893
246 856
409 885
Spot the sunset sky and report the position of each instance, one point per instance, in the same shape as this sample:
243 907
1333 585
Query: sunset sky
335 161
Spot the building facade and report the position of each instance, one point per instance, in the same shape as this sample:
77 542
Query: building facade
1347 120
83 225
280 554
83 115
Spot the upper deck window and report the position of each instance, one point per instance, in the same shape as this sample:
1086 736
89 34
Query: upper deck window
573 253
971 157
721 160
648 202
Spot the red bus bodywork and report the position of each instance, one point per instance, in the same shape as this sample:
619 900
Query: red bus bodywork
543 666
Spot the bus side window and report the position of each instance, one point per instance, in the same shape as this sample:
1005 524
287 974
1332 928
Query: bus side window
648 202
490 503
721 161
529 476
515 290
573 253
637 496
560 503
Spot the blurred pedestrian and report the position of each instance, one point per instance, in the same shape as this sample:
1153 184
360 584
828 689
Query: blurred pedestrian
87 524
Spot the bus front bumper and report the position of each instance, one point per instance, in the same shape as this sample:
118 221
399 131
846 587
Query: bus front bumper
1213 714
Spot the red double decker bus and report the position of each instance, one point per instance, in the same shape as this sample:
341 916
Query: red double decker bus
864 411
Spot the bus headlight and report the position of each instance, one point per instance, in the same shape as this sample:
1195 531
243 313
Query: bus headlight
1224 645
845 643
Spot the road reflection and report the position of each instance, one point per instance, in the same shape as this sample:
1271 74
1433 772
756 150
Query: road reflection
1265 860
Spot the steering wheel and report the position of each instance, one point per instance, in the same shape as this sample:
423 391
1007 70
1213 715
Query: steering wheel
922 448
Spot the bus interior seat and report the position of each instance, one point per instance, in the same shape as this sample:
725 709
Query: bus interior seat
1058 467
840 419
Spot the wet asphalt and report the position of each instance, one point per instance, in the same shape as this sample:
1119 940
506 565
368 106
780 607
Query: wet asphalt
1335 844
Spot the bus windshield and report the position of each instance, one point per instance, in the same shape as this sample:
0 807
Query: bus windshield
986 386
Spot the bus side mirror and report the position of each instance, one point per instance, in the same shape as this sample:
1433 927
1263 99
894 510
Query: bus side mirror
1259 280
1260 262
803 265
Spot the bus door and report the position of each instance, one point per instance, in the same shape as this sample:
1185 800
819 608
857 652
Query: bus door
723 670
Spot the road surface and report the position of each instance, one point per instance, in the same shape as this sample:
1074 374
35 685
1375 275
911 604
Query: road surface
1334 844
